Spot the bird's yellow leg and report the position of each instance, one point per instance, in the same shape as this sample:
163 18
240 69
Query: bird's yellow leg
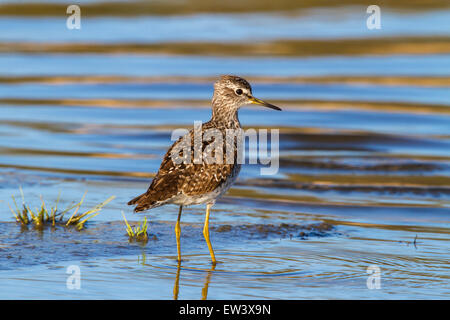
178 233
206 234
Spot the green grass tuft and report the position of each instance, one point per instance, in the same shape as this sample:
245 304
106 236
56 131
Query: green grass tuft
42 216
138 233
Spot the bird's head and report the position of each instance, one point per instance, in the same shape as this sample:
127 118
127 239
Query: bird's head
233 92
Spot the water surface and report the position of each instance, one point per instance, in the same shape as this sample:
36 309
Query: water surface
364 177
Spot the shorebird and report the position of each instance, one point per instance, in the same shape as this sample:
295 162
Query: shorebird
192 183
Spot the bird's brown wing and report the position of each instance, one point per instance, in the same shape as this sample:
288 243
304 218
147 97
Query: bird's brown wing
188 178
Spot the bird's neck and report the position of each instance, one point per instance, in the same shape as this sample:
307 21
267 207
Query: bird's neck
225 116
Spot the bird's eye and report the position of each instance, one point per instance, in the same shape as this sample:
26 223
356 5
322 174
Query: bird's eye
239 92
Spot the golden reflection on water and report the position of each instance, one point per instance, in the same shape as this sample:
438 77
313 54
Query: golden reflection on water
392 80
282 47
290 104
167 8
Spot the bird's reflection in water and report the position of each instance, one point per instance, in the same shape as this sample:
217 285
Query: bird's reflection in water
207 281
176 287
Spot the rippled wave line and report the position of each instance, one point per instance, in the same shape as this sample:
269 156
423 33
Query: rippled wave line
289 48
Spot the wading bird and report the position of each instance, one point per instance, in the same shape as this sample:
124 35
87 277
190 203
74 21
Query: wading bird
189 182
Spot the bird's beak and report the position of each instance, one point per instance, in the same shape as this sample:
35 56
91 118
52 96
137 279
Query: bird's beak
254 100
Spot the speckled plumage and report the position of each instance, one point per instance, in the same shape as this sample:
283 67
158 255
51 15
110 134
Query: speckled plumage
189 182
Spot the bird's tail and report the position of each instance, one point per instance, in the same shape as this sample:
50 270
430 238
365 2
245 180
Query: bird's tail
135 200
142 203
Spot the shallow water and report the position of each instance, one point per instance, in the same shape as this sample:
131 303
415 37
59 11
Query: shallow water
364 177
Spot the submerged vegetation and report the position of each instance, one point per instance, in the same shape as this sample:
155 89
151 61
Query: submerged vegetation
44 216
138 233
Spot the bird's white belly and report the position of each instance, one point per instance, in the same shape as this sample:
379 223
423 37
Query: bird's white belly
186 200
210 197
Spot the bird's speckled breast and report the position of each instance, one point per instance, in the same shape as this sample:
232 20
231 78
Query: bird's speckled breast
210 197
